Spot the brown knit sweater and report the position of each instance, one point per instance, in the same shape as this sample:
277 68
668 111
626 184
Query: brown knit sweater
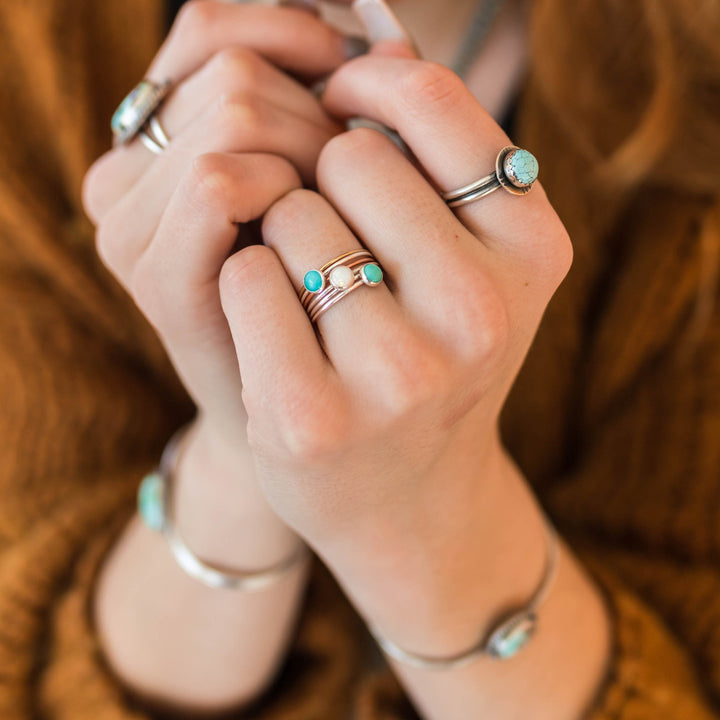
615 418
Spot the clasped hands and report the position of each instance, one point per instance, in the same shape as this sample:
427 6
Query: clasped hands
388 427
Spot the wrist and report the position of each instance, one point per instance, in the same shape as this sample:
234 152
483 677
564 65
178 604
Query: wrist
435 585
220 511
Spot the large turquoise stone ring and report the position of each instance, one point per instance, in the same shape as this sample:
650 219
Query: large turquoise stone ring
135 110
515 171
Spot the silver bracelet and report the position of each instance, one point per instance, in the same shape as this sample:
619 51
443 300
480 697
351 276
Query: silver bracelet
155 504
504 640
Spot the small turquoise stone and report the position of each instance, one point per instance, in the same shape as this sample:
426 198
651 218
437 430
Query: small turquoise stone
512 636
117 123
314 281
150 501
373 273
512 644
521 167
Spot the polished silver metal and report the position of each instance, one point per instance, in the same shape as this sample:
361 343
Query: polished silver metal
526 618
153 136
488 184
209 574
317 303
137 108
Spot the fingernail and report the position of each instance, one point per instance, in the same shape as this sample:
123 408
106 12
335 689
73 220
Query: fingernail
355 46
380 21
309 5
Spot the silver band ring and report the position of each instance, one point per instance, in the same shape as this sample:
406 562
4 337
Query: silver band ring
336 279
515 171
136 109
153 136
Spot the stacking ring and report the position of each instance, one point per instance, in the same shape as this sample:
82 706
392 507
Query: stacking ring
337 278
136 111
515 171
153 136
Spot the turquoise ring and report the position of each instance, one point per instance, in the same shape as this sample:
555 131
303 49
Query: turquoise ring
515 171
325 286
136 109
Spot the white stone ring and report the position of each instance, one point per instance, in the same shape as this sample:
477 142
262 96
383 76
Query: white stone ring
337 278
515 171
135 115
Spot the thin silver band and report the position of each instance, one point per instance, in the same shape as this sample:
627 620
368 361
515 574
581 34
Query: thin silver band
153 136
209 574
489 646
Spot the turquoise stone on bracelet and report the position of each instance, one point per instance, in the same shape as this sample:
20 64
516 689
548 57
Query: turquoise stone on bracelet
150 501
521 168
512 636
314 281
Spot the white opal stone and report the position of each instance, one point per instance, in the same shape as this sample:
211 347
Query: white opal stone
342 277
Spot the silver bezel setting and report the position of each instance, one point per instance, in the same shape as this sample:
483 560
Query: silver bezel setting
134 117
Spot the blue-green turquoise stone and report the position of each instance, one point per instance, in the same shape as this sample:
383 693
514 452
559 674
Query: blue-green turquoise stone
522 168
513 643
373 273
150 501
313 281
117 123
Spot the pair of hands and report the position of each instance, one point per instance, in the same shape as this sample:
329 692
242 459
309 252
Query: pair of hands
395 415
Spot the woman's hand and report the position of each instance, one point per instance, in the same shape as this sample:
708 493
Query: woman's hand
243 133
383 451
401 413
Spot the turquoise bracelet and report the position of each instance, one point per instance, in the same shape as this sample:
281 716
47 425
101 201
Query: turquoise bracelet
155 502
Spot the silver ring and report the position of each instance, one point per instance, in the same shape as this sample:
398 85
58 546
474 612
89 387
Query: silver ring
136 109
324 287
153 136
515 171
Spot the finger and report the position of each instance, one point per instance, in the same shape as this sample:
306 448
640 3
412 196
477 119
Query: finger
286 378
450 133
306 232
292 39
232 71
175 280
232 125
397 214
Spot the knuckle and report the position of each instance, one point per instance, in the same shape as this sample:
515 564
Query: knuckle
480 319
415 376
195 16
313 428
552 250
238 69
242 108
241 119
244 265
359 143
428 87
210 179
288 212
